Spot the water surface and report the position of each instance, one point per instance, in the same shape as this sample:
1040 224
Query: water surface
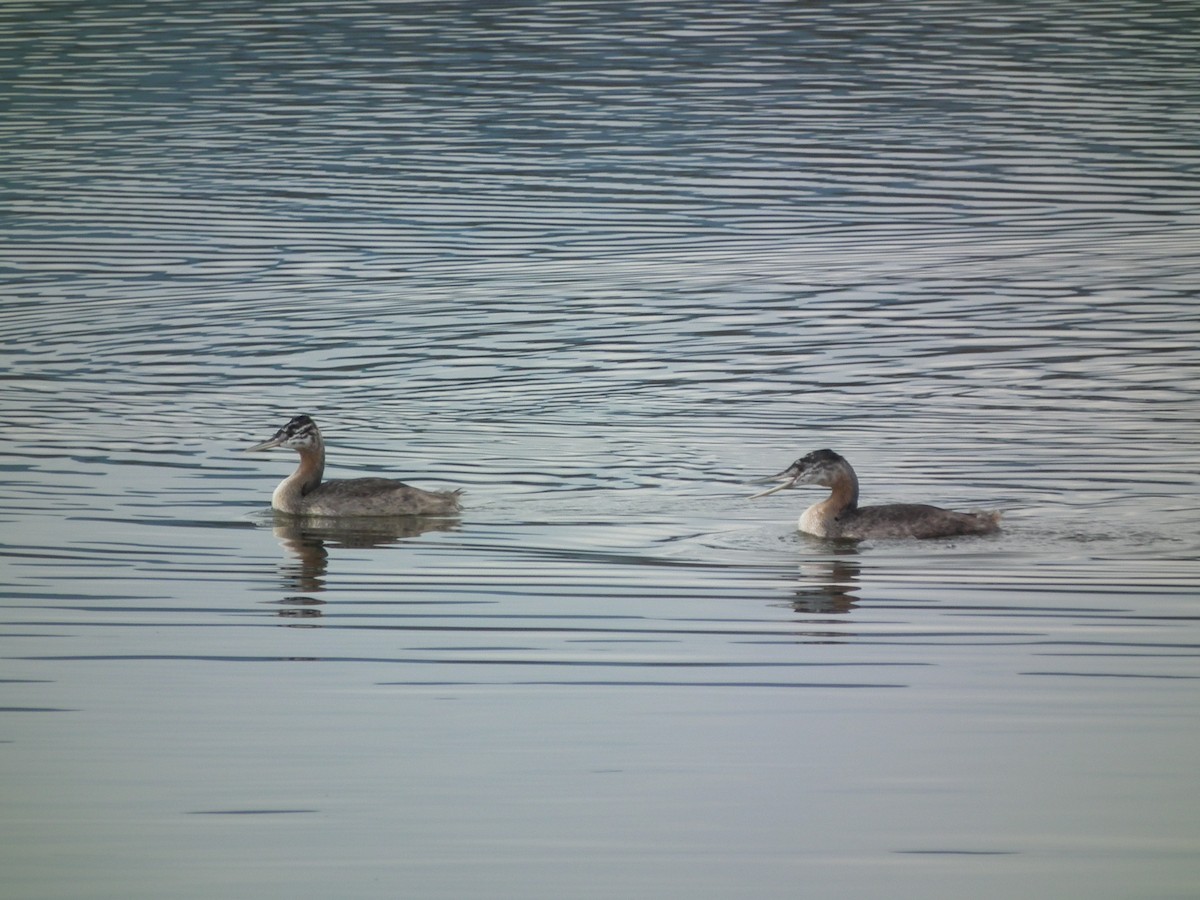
602 265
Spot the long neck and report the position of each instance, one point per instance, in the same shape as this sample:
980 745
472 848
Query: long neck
821 518
844 490
289 496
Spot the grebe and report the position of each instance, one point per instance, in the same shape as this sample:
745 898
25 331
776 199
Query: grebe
304 494
840 516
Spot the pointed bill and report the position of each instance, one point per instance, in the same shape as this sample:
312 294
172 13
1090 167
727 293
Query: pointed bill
773 490
787 479
269 444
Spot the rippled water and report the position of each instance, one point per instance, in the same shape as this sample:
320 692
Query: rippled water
602 265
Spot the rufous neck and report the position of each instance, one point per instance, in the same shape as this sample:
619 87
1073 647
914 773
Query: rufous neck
311 469
844 490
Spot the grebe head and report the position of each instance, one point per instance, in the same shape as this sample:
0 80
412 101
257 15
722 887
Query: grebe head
299 434
819 467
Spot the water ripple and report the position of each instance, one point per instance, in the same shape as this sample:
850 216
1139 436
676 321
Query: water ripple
602 265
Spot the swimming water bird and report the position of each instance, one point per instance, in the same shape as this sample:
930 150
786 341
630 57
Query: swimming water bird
303 493
840 516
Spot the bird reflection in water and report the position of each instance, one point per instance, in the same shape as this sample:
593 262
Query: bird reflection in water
827 587
309 540
300 608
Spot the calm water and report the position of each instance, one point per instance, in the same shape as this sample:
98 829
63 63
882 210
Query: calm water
602 265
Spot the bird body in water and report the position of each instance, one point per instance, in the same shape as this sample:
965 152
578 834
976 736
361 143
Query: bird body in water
840 516
303 493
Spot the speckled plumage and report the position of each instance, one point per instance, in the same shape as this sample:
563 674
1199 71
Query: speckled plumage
839 516
303 493
371 497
